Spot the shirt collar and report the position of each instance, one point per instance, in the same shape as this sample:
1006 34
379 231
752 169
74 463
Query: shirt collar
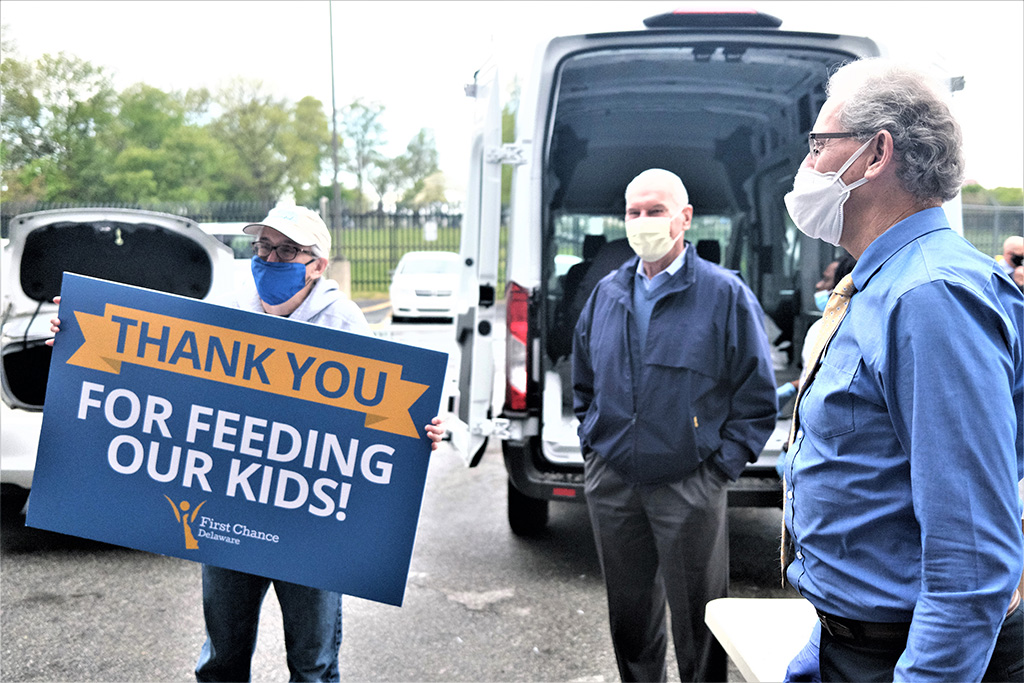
894 239
672 269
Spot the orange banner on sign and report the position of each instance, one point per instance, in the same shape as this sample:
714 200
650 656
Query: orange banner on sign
127 335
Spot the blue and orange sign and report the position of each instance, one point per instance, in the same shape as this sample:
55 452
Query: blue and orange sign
235 439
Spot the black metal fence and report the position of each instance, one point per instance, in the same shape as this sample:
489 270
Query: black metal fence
201 212
987 227
374 242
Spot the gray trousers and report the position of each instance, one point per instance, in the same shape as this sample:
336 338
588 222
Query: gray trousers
661 544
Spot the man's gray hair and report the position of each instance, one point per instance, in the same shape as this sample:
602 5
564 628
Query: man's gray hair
878 94
667 179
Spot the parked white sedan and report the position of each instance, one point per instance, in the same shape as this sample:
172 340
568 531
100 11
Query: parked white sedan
425 285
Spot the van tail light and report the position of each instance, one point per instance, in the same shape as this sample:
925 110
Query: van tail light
517 325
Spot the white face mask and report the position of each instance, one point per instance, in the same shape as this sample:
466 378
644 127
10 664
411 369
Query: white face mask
650 237
816 200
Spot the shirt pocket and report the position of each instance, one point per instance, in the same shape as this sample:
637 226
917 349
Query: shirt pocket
827 408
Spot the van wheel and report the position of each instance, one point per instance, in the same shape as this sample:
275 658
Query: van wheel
527 516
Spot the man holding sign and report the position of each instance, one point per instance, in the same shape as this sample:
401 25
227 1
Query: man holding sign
290 258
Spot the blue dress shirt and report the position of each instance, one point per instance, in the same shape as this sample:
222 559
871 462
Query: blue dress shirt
902 482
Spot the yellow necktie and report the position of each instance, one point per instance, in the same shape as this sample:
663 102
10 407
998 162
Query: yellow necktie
835 309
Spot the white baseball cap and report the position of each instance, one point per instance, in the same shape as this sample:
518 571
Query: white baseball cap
299 224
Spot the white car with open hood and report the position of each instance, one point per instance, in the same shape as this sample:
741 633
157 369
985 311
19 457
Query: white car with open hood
143 248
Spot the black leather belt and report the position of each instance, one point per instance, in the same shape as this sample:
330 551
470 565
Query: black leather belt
855 631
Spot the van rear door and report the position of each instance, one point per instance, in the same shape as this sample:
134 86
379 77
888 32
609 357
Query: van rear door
727 106
479 275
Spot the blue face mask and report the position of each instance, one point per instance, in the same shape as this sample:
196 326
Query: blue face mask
821 298
276 282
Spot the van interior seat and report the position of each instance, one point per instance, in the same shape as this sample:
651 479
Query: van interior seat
710 250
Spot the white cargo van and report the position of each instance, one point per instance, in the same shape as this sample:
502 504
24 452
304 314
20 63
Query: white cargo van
723 100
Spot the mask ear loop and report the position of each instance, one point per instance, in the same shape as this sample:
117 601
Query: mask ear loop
309 279
849 162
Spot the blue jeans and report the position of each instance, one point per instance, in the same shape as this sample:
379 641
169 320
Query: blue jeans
231 607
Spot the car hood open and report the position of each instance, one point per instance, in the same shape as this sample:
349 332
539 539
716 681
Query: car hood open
148 249
143 248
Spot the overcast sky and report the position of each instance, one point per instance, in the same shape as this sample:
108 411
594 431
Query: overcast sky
415 57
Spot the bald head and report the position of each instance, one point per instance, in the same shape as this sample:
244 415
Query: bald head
663 181
1013 246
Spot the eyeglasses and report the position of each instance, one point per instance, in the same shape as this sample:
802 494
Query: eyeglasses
813 139
285 252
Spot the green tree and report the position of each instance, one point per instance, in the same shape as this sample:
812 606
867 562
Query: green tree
190 165
386 176
250 126
276 150
431 191
1000 196
67 135
419 162
20 142
364 136
51 114
1009 196
156 154
305 144
348 195
146 116
133 177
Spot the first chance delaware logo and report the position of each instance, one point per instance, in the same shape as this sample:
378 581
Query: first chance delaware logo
185 520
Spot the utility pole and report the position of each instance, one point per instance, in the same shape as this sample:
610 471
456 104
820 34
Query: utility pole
336 202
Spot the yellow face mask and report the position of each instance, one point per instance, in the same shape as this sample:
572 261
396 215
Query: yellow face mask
651 237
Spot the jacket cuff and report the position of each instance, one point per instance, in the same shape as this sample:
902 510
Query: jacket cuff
731 459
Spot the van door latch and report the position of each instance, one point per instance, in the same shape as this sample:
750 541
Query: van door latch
498 428
510 154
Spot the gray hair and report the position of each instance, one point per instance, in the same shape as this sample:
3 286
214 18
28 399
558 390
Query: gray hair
667 179
877 94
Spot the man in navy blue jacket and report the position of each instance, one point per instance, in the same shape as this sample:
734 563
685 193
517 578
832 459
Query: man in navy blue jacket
675 393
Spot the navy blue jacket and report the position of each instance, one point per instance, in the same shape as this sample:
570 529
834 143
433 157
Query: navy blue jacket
706 390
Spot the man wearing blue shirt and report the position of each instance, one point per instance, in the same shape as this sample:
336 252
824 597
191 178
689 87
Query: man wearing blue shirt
902 511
